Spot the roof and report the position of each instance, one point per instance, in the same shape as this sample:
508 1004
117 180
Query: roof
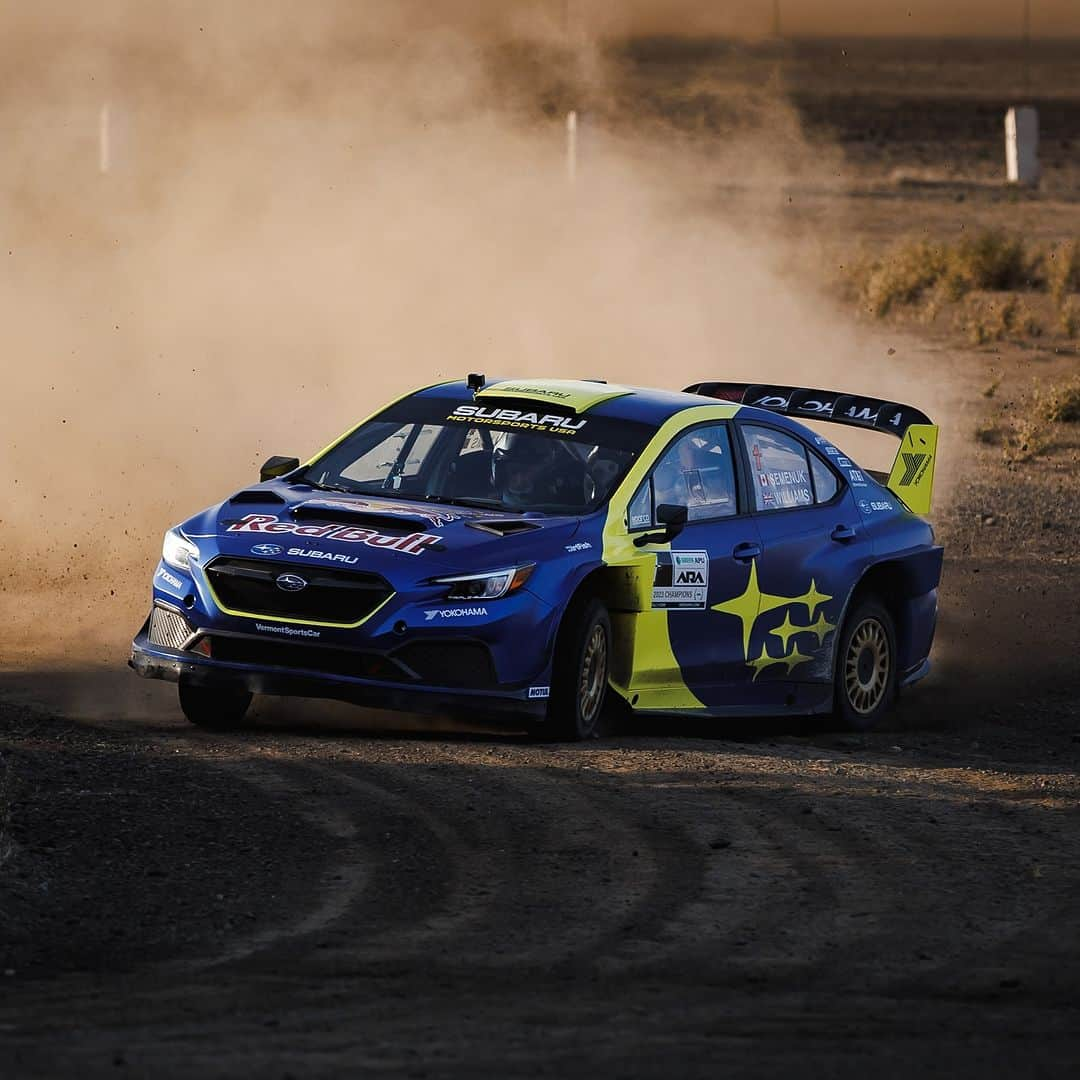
637 403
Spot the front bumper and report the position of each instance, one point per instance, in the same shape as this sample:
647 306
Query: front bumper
152 661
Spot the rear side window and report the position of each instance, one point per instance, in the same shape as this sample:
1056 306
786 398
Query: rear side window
779 467
824 479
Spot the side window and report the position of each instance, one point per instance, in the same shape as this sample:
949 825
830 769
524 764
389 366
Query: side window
779 468
825 484
696 471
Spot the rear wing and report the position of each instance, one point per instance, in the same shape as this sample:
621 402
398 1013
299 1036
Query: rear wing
912 476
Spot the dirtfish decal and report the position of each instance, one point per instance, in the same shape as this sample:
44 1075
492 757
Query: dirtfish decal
413 544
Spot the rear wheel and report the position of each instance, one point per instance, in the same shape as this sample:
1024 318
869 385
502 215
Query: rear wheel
214 708
579 691
866 666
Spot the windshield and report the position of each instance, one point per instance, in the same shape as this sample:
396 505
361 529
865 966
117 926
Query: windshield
509 456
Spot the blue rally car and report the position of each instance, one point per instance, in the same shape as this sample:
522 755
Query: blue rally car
556 549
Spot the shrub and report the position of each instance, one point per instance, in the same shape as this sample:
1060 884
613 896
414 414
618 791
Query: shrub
1069 320
902 276
992 261
1061 405
1062 267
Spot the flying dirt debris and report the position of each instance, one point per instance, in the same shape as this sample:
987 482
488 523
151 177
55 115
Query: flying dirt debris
230 229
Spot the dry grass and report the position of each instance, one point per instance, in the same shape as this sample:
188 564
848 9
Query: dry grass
1069 319
931 276
1061 269
989 261
1027 434
1060 404
1025 441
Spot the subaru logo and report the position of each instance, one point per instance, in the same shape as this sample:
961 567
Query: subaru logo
266 549
290 582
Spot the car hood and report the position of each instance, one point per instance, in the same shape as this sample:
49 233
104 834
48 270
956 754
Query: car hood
381 534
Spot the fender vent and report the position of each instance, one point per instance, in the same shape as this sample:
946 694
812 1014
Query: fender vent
502 528
253 495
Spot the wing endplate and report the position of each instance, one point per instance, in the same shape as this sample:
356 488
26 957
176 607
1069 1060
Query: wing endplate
912 476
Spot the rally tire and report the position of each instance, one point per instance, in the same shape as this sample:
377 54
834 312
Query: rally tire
213 708
579 704
866 670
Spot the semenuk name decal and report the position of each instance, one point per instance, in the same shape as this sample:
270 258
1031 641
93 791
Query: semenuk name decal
413 544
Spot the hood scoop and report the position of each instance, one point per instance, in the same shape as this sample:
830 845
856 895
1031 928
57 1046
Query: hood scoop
503 527
362 519
255 495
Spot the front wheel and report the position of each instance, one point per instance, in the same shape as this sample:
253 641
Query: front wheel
866 666
214 708
579 689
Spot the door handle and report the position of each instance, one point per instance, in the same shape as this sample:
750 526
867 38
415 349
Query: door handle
843 534
746 551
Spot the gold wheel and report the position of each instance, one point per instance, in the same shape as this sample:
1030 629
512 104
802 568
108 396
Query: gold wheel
594 675
867 666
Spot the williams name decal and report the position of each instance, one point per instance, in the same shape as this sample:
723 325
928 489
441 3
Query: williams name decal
682 580
413 544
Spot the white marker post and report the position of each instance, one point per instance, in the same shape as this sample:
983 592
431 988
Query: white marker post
1022 146
571 145
104 140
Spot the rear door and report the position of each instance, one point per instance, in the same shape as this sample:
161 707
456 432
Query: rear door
814 547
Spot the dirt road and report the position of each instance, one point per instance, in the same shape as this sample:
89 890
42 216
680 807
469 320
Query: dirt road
321 901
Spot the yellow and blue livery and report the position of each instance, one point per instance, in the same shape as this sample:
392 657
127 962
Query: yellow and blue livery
560 550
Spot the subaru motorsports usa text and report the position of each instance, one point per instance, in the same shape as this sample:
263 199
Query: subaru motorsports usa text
549 550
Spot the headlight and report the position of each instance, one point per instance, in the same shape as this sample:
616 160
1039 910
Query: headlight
177 551
489 586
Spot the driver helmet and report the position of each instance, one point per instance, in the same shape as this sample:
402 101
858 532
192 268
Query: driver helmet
518 466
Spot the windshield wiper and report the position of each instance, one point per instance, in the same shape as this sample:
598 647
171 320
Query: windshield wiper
482 504
389 493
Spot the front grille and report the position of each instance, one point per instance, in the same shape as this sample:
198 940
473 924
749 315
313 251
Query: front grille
168 628
250 586
319 658
449 663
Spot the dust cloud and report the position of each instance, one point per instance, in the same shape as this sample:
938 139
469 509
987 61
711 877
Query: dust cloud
311 209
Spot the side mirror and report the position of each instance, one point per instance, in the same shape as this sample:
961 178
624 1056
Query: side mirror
672 517
278 466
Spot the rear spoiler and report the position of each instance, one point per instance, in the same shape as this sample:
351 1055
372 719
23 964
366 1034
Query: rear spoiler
912 476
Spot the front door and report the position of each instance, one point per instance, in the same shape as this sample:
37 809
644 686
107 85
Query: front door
705 567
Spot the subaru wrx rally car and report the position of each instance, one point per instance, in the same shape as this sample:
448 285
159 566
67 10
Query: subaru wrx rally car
553 549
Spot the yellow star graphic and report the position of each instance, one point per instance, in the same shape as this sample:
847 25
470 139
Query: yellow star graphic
786 629
812 599
763 661
821 628
794 658
753 603
791 660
